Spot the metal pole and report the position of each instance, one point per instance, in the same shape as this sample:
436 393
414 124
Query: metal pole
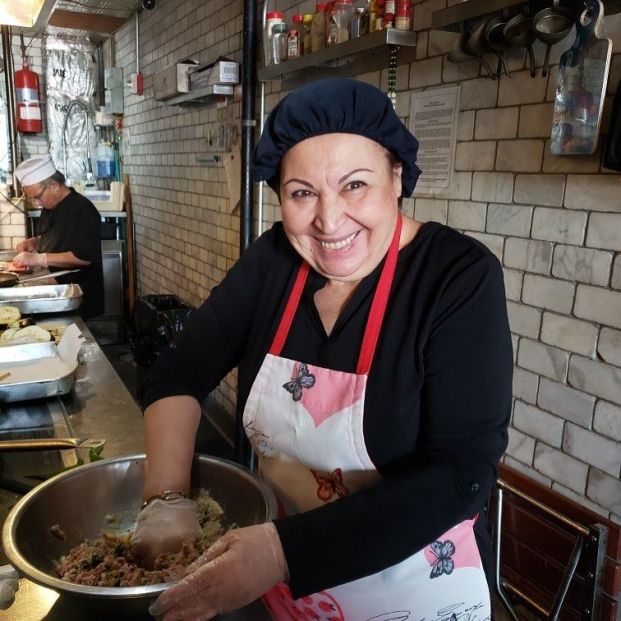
260 197
137 44
243 451
248 123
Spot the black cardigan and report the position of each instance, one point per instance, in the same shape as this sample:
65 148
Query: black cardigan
438 395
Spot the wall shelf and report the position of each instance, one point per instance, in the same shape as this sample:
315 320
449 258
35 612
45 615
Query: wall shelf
451 17
367 53
209 94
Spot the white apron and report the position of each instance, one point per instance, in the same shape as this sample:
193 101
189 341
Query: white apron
305 424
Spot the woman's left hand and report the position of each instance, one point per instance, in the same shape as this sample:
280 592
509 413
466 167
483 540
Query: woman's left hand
237 569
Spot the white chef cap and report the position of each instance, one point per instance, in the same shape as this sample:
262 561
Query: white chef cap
35 169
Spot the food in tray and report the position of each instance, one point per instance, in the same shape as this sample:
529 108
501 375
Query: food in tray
23 336
108 562
9 314
56 330
22 330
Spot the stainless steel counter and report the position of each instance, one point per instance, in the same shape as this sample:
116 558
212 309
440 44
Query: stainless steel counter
99 407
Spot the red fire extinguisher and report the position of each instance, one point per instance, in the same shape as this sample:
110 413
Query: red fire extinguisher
28 106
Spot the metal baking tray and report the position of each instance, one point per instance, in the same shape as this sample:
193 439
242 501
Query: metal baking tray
43 298
37 371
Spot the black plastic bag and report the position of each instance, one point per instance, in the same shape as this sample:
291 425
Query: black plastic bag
156 322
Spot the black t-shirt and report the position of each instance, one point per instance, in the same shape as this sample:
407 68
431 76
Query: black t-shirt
75 225
438 396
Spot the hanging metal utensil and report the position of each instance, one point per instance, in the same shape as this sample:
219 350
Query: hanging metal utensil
581 86
518 31
550 26
458 55
476 46
496 40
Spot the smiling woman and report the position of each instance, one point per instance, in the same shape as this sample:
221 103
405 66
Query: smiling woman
374 384
339 198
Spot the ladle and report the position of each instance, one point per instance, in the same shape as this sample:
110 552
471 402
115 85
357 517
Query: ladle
550 26
518 31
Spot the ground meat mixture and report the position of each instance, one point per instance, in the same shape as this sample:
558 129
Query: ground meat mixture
108 562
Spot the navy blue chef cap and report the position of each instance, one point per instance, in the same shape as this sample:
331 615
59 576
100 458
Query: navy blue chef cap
334 105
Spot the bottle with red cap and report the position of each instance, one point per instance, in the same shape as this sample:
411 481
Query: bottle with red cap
272 17
343 13
296 37
379 15
306 33
403 17
331 29
318 28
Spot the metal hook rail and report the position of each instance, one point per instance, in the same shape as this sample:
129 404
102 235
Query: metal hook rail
590 545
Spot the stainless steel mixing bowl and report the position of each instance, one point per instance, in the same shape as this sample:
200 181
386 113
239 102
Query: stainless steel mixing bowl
105 496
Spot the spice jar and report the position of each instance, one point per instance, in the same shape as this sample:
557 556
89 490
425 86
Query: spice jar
307 25
403 18
379 14
318 28
359 23
343 13
278 44
294 45
389 20
273 17
331 29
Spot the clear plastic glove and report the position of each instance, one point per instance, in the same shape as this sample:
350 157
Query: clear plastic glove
237 569
163 526
30 259
9 584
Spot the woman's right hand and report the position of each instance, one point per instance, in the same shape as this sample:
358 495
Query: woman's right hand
163 526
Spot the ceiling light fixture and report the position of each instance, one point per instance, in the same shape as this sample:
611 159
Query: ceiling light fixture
21 13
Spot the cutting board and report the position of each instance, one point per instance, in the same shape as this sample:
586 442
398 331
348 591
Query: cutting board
581 86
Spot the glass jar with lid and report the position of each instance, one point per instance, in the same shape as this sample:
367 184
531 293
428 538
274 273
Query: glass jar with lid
343 13
278 44
359 23
272 17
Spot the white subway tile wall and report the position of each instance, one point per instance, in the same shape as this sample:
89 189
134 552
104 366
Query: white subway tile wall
554 222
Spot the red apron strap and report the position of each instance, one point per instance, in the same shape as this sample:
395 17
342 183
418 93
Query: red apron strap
292 306
378 306
376 314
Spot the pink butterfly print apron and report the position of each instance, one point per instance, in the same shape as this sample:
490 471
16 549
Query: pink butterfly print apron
305 424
